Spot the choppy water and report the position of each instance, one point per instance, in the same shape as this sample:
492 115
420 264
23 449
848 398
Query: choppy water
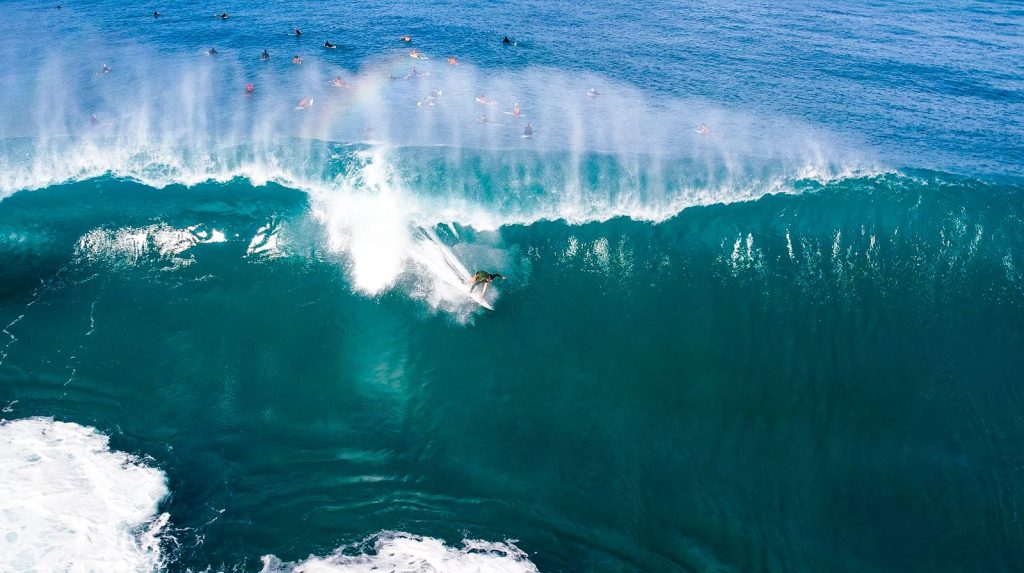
234 336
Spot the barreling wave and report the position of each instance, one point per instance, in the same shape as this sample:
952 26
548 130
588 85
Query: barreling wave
402 149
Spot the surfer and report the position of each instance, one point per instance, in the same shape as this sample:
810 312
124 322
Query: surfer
416 55
212 52
327 44
265 55
516 111
298 32
106 69
484 278
223 16
249 89
482 100
506 41
482 119
452 61
95 119
305 103
405 38
593 92
339 83
528 132
296 59
156 14
703 129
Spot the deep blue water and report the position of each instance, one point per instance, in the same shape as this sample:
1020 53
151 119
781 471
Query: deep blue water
792 343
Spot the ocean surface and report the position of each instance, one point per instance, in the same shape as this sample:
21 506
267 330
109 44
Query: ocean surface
764 306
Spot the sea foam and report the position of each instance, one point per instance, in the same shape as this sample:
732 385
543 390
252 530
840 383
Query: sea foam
69 503
395 552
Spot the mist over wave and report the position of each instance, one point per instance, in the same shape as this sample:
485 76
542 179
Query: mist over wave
404 146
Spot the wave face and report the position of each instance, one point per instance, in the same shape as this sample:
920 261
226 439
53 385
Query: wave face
814 339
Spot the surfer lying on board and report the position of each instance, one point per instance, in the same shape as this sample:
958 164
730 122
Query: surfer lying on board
484 278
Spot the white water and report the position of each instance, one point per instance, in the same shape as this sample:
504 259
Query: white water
404 553
70 504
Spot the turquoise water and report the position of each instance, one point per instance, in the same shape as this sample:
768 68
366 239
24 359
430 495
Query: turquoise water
790 344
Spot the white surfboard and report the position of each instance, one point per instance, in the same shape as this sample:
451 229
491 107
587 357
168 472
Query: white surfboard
479 299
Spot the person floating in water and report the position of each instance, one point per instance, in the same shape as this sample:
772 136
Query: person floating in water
329 45
212 52
405 38
483 278
265 55
223 16
296 59
528 132
516 111
249 89
452 61
298 32
506 41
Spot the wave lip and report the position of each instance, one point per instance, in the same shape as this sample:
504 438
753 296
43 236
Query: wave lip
69 503
398 552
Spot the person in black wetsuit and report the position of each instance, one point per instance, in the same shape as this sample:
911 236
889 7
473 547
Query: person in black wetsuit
506 41
265 55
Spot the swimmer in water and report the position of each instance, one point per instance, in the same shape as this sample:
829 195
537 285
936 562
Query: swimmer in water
212 52
593 92
528 132
703 129
296 59
339 83
249 89
298 32
416 55
156 14
405 38
506 41
482 100
265 55
452 61
329 45
223 16
305 103
516 111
